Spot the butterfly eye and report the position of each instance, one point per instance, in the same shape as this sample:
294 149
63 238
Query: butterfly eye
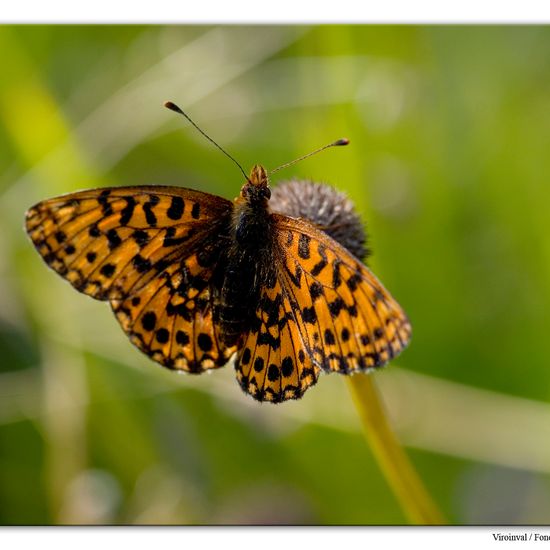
267 193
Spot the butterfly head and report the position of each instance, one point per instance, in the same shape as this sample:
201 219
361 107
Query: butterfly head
256 189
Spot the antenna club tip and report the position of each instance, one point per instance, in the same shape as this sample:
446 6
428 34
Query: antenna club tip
171 106
342 141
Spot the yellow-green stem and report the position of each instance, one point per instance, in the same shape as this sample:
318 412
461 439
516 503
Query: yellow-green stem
409 490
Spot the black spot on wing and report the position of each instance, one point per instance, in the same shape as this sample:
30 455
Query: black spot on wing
195 211
149 320
177 206
107 270
259 364
162 335
182 338
127 212
141 264
273 373
141 237
205 342
113 239
148 207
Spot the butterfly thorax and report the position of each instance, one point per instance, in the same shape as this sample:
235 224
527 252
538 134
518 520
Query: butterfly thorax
249 261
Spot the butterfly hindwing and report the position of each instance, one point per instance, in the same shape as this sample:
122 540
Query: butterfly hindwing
151 252
272 364
171 318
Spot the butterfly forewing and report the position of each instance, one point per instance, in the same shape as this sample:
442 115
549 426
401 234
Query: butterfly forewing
353 321
102 240
151 251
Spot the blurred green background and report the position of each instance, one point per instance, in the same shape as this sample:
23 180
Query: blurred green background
449 165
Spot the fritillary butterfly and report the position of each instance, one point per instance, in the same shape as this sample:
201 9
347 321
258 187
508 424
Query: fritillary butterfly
195 279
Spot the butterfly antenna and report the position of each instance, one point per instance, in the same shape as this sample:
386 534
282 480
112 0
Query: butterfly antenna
338 143
176 109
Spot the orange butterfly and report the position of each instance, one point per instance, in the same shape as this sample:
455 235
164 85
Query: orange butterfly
194 279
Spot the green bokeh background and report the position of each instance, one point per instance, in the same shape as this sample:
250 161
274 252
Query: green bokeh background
449 166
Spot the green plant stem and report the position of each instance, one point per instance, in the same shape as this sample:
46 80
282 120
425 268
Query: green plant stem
409 490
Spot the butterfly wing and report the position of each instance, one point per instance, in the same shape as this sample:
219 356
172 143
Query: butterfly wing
332 313
150 251
273 363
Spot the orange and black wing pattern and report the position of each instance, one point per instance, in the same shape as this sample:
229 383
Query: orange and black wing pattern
149 251
325 311
274 364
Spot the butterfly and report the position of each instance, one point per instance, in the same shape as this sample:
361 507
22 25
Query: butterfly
195 279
